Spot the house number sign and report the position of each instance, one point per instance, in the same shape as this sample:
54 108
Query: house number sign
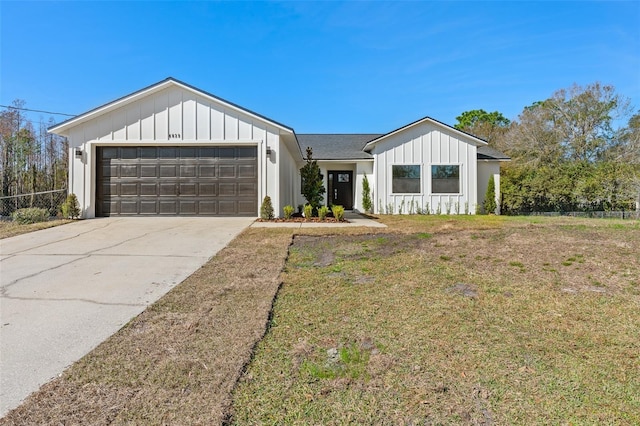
174 135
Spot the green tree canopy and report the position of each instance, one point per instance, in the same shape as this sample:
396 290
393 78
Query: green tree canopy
483 124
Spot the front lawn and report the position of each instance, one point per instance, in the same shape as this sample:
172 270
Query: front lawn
442 320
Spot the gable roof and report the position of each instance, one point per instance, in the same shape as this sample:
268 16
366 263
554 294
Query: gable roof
476 140
337 146
63 127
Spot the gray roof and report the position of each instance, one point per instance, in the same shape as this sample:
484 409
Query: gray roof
350 147
336 146
488 153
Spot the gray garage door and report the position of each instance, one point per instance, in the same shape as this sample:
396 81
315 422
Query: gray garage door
177 180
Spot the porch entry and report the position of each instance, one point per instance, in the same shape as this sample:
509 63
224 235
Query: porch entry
340 188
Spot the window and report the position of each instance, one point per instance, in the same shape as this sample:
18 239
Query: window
406 179
445 179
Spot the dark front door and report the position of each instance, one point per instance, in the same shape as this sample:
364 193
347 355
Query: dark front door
341 188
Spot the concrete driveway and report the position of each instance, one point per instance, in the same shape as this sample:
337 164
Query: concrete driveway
64 290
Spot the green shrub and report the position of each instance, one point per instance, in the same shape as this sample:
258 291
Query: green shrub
367 204
338 212
30 215
489 204
70 208
266 209
312 181
323 212
308 210
288 211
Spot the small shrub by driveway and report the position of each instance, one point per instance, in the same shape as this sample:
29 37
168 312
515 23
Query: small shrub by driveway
177 362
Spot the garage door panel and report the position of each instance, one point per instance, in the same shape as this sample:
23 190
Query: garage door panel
129 189
109 152
208 189
167 152
209 152
227 207
246 207
189 152
247 153
206 171
247 190
247 171
129 153
168 188
188 189
129 206
148 207
109 189
227 171
168 170
150 152
188 171
188 207
227 189
148 170
148 188
173 180
129 170
168 207
227 153
109 169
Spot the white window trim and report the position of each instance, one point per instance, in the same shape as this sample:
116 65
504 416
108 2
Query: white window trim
461 174
422 180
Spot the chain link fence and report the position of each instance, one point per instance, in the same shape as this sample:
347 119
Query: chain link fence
49 200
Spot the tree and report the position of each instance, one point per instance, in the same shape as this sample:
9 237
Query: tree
312 185
482 124
31 160
584 118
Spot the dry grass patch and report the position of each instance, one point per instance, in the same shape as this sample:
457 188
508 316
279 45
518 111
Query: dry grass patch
470 321
177 362
11 229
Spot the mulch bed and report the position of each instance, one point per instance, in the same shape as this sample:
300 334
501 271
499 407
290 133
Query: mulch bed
304 220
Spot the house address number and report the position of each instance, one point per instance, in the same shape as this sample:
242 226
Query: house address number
174 135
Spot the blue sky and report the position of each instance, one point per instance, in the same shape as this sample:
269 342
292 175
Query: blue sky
334 67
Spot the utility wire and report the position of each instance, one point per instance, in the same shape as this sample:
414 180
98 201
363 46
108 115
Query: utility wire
38 110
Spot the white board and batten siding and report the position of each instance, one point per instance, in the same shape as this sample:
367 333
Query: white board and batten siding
425 144
172 115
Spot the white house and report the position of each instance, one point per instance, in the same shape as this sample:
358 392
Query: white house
172 149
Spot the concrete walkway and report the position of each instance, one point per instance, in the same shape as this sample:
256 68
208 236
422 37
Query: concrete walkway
64 290
354 219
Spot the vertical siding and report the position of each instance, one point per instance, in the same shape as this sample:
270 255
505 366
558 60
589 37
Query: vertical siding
203 121
176 115
175 112
425 145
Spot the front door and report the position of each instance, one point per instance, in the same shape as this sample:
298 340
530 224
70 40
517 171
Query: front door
341 188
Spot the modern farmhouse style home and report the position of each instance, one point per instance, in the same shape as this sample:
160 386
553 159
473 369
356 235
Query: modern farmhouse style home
173 149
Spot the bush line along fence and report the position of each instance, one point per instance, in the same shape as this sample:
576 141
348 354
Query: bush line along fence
49 200
624 214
